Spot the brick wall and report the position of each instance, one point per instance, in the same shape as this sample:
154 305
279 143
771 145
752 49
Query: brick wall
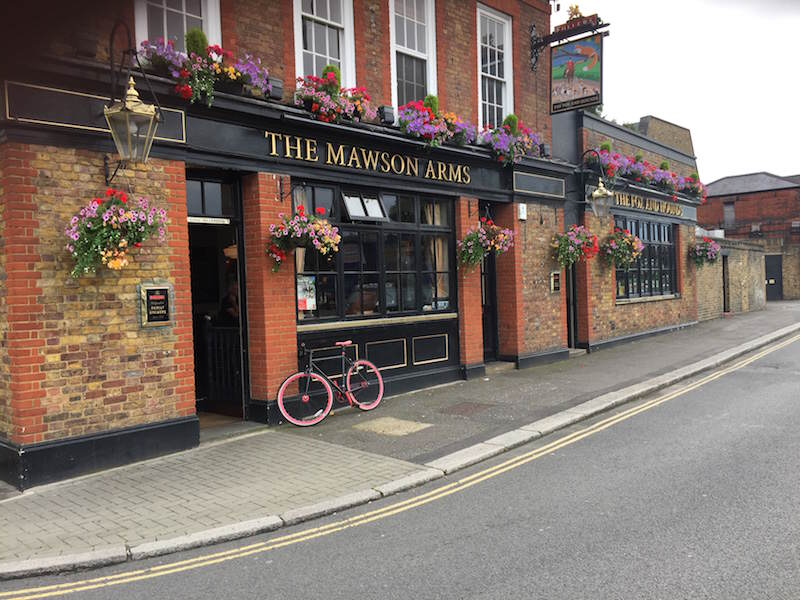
5 375
602 317
80 362
667 133
593 139
745 276
470 311
773 210
373 49
791 272
544 316
271 313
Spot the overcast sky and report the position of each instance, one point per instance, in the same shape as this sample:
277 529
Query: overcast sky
729 70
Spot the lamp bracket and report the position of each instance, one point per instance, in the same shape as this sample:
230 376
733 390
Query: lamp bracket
107 169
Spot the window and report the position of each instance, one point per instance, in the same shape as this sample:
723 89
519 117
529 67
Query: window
363 207
495 87
171 19
728 215
402 264
324 36
653 274
413 33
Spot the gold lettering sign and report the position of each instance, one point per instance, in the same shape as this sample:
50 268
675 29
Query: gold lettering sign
664 207
355 157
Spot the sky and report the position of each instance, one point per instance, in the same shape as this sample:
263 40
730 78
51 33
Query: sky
729 70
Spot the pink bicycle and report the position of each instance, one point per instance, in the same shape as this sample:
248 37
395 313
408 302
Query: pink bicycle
306 397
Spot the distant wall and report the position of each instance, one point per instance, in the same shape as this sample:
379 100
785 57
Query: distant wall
745 277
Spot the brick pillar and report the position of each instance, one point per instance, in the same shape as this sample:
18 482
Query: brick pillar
585 290
470 315
271 314
510 310
23 284
180 270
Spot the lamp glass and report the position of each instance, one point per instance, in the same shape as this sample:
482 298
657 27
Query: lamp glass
133 126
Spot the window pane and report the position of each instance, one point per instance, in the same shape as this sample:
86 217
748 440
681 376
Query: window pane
392 292
193 7
352 295
369 251
326 295
213 198
354 206
323 198
411 35
435 213
391 206
175 30
155 22
421 38
319 64
400 30
427 290
407 209
176 4
193 23
336 11
308 63
228 200
428 253
408 252
442 287
370 294
373 207
350 251
308 6
333 42
408 292
620 284
194 198
320 38
391 252
322 8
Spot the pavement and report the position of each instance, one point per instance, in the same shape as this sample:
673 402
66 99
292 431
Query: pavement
248 479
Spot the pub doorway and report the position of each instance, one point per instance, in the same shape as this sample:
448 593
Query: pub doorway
218 312
489 298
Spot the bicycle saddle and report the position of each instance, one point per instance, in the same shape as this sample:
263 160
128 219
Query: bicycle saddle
344 343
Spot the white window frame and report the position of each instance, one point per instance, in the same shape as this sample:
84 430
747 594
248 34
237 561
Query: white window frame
430 45
212 26
508 59
348 47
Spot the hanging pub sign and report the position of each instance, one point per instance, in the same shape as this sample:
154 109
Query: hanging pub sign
576 74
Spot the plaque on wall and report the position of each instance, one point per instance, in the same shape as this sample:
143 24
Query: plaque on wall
156 306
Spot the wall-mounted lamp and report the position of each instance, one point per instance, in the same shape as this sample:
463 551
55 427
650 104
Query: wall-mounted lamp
132 123
601 197
386 115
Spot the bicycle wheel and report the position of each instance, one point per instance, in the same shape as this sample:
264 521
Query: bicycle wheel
365 384
305 399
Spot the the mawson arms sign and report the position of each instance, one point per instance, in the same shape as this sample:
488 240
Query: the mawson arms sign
355 157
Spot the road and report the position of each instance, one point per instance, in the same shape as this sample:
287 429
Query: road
693 493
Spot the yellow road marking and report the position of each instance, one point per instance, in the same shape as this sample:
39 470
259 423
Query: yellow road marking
381 513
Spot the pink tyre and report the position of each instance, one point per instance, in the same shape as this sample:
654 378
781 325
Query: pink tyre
365 384
305 399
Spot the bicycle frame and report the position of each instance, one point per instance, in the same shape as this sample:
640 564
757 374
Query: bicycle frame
339 390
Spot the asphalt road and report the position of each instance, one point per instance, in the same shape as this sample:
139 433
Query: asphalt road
696 497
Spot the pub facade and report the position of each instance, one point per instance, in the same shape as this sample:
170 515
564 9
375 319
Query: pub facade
120 365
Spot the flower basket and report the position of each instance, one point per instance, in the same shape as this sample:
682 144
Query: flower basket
230 87
509 144
418 121
578 243
109 229
461 132
704 252
622 248
316 95
302 231
483 240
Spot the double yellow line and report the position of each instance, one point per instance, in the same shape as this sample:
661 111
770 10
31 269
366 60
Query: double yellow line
381 513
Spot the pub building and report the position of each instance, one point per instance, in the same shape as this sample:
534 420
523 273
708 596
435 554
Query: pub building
123 365
658 292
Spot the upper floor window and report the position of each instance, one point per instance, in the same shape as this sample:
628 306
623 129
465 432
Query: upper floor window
324 36
413 63
171 19
728 215
495 80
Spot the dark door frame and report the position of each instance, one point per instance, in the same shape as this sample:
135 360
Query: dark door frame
488 272
726 286
237 220
777 273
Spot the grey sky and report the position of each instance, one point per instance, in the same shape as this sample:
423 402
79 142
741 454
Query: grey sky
729 70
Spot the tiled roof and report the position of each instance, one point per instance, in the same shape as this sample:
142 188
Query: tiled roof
751 182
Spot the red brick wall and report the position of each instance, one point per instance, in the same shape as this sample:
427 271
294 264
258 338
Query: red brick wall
510 305
773 210
271 314
5 374
602 317
373 49
470 311
79 361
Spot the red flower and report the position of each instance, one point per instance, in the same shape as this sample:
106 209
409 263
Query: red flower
123 198
301 210
98 201
626 232
314 107
184 74
184 91
137 245
320 210
490 223
109 192
483 219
